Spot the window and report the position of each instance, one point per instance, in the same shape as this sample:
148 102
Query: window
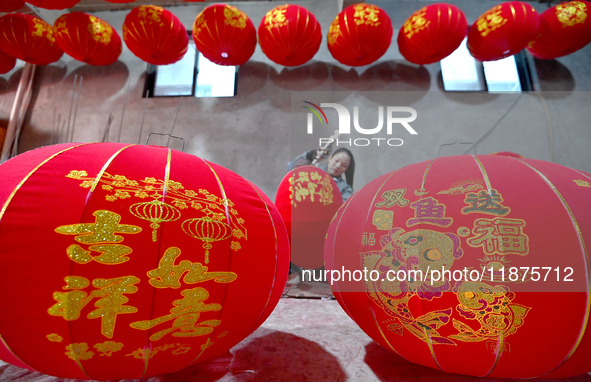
462 72
193 75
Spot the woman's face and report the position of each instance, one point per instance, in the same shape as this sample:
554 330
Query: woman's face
338 163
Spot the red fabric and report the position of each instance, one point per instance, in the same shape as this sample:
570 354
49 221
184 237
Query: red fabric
53 4
474 213
503 31
307 199
289 35
87 38
564 29
359 35
155 35
7 62
224 34
11 5
56 210
29 39
432 33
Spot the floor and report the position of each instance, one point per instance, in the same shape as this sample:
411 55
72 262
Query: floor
304 339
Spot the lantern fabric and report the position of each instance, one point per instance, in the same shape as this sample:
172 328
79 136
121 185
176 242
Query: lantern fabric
564 29
307 199
132 260
289 35
87 38
155 35
7 62
360 35
432 33
53 4
11 5
502 31
29 39
224 35
474 265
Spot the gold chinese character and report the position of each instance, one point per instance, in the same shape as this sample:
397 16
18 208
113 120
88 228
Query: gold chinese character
102 231
392 198
185 316
429 211
168 274
486 203
500 236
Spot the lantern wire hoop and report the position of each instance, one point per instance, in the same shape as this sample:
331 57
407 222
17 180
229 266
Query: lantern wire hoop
472 146
169 137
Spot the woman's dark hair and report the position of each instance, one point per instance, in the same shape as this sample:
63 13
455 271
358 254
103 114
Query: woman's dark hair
350 172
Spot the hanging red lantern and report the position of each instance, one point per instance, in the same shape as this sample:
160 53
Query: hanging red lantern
503 31
11 5
224 34
129 264
432 33
29 39
155 35
87 38
290 35
359 35
53 4
468 264
307 199
564 29
7 62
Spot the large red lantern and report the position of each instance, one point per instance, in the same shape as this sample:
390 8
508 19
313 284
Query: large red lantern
11 5
224 35
155 35
29 39
87 38
432 33
564 29
53 4
359 35
127 261
502 31
289 35
307 199
7 62
473 265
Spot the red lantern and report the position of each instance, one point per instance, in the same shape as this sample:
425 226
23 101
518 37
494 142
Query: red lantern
432 33
29 39
155 35
359 35
117 278
307 199
564 29
87 38
224 34
289 35
11 5
503 31
53 4
7 62
469 264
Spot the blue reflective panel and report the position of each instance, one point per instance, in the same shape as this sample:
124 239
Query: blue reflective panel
176 79
214 80
502 75
460 71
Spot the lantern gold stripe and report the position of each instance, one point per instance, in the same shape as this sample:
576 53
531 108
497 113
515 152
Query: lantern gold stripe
3 211
484 174
431 350
102 171
498 352
575 224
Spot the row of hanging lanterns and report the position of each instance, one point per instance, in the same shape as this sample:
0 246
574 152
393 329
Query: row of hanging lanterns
290 35
14 5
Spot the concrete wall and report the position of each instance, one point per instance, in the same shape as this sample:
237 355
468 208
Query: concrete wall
257 132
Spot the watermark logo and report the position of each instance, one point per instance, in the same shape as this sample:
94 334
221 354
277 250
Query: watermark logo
393 117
